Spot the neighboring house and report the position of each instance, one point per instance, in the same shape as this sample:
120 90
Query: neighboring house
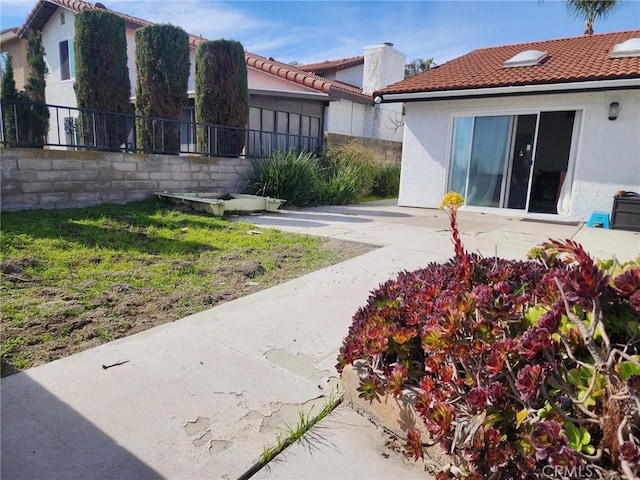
380 65
282 98
550 127
12 44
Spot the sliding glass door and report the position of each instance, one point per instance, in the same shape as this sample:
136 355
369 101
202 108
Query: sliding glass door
492 159
488 157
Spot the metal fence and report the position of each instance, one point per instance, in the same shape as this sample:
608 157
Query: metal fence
32 124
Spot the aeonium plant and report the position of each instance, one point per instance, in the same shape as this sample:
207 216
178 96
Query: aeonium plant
525 369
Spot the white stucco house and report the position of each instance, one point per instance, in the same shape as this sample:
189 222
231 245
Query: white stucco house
381 65
548 129
283 98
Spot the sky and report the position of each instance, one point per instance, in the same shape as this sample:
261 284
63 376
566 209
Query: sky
312 31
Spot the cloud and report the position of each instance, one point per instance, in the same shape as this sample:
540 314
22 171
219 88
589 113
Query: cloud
212 20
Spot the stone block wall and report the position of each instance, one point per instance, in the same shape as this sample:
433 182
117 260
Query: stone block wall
387 152
35 178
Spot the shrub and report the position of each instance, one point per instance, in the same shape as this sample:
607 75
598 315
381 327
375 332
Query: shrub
222 95
522 366
162 64
339 184
289 175
37 113
358 157
102 76
386 183
8 91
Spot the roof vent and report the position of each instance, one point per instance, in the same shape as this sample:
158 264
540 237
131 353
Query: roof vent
628 48
527 58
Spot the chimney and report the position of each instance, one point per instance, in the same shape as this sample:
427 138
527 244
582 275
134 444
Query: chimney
383 65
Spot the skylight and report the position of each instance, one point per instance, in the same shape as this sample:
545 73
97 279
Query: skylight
527 58
628 48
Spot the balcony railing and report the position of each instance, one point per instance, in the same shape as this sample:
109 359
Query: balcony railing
32 124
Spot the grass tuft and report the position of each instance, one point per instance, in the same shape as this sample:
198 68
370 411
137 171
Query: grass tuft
306 421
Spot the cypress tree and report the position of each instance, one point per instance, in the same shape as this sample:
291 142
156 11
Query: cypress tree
38 113
162 64
9 92
102 76
222 95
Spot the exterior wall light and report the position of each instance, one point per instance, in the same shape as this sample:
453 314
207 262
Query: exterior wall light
378 99
614 110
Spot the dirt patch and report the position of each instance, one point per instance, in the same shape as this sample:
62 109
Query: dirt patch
69 323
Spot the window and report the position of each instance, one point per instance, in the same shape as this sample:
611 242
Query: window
4 57
528 58
628 48
67 60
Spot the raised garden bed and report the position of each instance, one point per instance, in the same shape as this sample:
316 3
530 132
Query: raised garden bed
398 415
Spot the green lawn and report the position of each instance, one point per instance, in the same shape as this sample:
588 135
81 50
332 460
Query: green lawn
72 279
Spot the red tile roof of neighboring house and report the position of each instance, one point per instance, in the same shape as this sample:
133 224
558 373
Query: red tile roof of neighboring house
295 74
332 65
578 59
41 13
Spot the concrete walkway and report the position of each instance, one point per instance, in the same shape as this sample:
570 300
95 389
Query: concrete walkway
201 398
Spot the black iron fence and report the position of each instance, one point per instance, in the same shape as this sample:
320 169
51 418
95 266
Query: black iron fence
32 124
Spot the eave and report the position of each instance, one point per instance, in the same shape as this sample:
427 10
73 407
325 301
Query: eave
506 91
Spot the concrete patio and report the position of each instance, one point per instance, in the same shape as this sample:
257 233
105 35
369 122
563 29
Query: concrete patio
201 398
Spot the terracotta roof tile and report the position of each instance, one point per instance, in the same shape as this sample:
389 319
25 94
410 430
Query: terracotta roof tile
43 10
577 59
297 75
332 65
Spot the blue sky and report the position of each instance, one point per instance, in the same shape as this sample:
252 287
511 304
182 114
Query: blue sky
311 31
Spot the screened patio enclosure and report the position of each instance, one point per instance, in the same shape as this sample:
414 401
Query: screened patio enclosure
518 162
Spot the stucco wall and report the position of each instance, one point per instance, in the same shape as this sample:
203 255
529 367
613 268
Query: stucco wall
383 65
33 178
606 156
130 35
57 91
352 75
387 122
346 118
16 47
383 122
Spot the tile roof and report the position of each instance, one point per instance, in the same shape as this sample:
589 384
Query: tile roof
295 74
577 59
332 65
42 11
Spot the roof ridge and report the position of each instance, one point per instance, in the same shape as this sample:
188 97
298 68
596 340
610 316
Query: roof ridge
556 40
333 65
344 59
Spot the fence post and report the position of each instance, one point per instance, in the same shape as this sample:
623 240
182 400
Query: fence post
135 134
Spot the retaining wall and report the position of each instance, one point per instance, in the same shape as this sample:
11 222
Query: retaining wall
387 152
35 178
